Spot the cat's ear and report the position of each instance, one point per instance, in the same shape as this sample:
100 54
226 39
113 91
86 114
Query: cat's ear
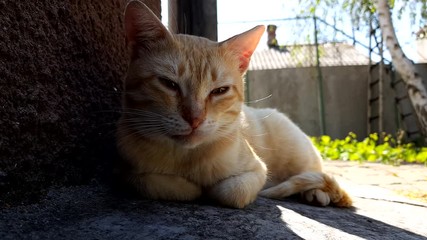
244 45
143 28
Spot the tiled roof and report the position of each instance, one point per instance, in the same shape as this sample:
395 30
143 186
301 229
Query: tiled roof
331 54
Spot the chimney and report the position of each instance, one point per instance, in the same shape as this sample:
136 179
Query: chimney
272 41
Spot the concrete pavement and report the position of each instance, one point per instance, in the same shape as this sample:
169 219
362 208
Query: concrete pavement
97 212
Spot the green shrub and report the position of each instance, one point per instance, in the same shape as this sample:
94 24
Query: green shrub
385 149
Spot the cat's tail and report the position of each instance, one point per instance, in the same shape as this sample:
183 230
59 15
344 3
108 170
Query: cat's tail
315 187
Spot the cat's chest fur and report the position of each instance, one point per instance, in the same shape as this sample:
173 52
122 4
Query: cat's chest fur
204 166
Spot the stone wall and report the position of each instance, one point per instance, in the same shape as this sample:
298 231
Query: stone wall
61 65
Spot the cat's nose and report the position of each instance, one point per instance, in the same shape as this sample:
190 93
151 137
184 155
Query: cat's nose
194 115
195 122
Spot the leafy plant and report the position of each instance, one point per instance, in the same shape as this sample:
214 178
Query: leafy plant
374 148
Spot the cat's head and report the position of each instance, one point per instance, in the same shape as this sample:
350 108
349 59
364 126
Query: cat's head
182 88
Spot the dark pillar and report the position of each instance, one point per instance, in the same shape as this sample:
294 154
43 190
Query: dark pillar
194 17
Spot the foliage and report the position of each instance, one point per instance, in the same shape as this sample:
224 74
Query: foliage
360 10
374 148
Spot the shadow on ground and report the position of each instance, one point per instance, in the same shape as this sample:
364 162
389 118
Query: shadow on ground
95 212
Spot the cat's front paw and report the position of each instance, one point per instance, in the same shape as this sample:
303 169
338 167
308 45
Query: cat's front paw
232 195
238 191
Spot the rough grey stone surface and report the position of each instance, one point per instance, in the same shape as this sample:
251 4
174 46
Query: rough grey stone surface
96 212
61 66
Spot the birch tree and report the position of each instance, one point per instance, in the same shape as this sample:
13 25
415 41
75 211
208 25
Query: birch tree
414 84
360 10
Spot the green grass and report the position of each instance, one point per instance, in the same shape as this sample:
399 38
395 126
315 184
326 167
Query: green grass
384 149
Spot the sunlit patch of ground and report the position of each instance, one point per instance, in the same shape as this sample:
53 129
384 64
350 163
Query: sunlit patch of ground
417 195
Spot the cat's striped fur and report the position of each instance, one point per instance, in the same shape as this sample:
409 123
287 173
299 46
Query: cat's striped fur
185 131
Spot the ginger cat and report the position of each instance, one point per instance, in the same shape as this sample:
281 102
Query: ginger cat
185 131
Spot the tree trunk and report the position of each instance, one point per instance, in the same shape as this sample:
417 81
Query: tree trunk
416 90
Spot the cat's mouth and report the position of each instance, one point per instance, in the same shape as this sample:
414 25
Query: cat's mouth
190 140
184 136
181 137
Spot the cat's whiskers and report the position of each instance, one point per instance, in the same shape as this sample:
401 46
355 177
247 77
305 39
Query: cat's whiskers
144 122
141 121
140 112
264 147
259 119
132 132
259 100
146 126
133 137
259 135
148 123
225 133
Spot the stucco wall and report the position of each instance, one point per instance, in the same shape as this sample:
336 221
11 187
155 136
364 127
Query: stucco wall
61 65
292 91
295 92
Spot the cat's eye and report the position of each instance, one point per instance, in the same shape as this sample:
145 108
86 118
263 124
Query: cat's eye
220 90
169 84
